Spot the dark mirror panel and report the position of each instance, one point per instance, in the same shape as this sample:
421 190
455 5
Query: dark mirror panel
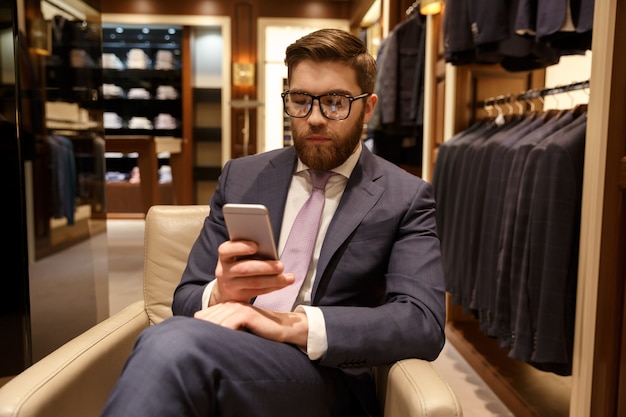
15 352
53 160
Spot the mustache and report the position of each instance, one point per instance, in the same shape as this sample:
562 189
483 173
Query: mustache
314 130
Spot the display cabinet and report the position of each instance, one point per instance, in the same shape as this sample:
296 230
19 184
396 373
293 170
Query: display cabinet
142 80
68 158
142 92
201 64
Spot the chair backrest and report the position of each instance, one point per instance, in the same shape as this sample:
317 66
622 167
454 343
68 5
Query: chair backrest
169 234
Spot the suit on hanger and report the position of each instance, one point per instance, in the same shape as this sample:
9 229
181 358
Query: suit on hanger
446 181
550 22
515 218
487 251
545 306
458 43
376 309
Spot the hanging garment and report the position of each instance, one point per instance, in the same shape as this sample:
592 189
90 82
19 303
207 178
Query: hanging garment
396 127
520 35
62 177
544 311
508 198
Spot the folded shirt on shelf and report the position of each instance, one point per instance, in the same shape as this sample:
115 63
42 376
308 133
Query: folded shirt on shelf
164 60
138 93
112 91
112 120
138 122
137 59
165 121
166 92
111 61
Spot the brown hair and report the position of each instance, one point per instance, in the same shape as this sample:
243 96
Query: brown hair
338 46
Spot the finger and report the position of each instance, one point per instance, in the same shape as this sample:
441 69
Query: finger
261 284
250 287
231 315
216 313
255 267
230 251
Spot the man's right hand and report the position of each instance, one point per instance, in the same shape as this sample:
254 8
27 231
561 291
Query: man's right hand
243 279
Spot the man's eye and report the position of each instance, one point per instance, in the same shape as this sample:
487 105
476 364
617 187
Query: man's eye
299 99
333 101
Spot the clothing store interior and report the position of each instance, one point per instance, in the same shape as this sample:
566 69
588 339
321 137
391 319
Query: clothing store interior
512 110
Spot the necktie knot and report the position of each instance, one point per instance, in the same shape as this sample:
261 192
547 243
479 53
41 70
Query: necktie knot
319 178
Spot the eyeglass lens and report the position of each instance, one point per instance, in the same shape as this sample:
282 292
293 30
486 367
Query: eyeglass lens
332 106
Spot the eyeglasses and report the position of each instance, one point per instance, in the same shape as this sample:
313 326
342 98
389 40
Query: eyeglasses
332 106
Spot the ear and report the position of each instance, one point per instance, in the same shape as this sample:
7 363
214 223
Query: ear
369 107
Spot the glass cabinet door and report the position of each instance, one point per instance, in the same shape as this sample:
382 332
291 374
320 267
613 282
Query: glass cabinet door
68 258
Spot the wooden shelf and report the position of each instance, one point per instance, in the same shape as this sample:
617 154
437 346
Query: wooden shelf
124 199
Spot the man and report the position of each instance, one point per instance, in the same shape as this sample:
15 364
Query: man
373 294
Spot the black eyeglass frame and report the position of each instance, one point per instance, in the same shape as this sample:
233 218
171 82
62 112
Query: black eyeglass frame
319 102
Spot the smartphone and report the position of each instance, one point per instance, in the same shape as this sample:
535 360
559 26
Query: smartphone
251 222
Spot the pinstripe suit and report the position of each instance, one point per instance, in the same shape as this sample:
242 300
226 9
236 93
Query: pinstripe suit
544 306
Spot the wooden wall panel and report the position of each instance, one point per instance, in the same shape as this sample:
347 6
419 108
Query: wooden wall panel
604 215
308 9
179 7
264 8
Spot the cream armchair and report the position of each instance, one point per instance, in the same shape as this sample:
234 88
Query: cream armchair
75 380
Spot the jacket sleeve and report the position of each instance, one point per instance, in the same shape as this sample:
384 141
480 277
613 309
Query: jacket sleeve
405 262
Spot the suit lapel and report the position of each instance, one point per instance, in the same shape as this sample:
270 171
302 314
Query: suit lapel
274 183
361 194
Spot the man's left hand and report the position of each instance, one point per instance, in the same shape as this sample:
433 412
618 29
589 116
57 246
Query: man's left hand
287 327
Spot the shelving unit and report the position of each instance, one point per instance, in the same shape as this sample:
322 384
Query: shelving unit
201 49
68 160
143 97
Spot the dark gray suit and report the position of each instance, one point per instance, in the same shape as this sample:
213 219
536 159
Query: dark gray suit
379 284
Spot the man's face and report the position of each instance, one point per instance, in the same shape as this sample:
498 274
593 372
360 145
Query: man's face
321 143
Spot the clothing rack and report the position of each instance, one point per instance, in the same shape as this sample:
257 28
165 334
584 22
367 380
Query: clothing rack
532 94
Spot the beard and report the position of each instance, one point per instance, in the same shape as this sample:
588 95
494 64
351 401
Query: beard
329 156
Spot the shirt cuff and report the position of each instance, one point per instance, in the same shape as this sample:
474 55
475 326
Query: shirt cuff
317 341
206 295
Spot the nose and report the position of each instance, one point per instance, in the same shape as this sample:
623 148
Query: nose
316 117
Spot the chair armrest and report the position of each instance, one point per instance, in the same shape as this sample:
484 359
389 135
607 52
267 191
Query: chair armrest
77 378
415 389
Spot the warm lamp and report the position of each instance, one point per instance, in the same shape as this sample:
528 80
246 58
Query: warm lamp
431 6
243 74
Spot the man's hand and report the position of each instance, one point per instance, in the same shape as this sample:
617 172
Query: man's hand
278 326
243 279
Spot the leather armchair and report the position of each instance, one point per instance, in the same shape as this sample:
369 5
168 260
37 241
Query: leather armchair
76 379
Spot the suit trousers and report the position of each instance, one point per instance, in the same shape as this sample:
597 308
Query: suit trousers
189 367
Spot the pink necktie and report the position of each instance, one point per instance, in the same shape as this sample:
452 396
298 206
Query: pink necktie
299 247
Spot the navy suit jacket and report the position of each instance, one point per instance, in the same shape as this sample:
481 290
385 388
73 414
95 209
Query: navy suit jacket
379 277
